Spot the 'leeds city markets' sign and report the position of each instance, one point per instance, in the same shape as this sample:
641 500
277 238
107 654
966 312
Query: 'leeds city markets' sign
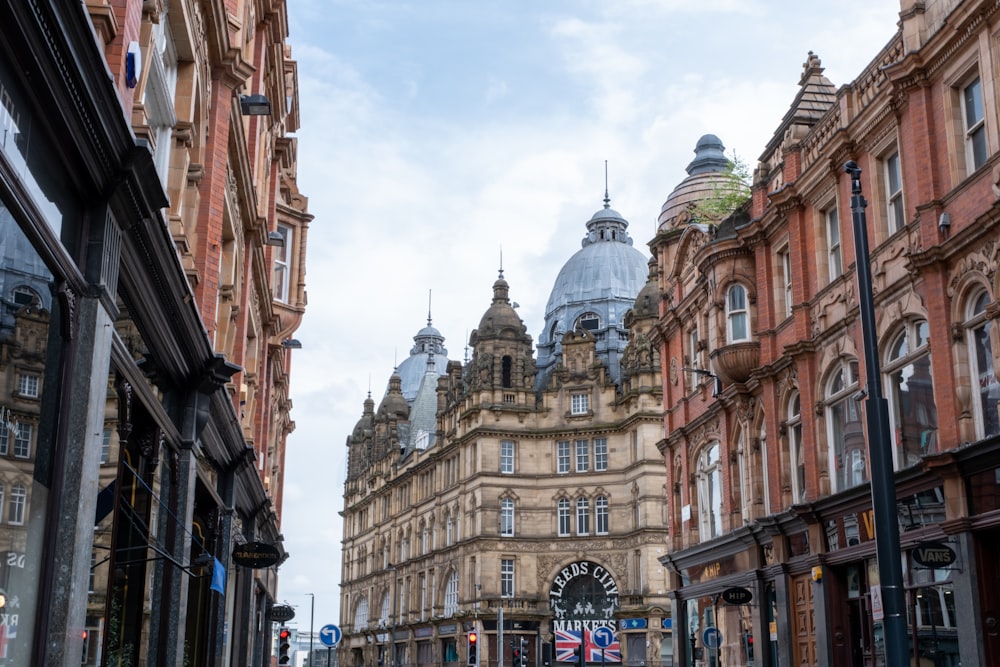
256 555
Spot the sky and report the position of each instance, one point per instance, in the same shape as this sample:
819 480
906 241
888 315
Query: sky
441 138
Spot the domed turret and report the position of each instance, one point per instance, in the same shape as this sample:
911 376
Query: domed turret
394 405
705 174
593 291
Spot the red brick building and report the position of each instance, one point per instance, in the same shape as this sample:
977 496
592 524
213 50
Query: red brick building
768 479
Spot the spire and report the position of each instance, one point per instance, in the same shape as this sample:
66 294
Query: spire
429 307
607 197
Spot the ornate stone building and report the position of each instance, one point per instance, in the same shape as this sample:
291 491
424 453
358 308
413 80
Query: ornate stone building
768 480
152 242
517 500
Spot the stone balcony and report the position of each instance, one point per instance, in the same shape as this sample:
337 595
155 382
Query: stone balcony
733 363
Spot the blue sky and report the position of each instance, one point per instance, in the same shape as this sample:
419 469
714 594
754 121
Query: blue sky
438 134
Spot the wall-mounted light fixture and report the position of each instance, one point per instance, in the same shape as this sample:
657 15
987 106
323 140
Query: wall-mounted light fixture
291 344
275 239
255 105
944 224
716 384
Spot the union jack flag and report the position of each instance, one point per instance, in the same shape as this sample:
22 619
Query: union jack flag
567 640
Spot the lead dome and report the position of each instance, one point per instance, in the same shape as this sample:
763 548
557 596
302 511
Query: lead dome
594 290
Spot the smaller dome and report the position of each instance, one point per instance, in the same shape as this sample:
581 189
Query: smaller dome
647 303
705 172
501 314
394 404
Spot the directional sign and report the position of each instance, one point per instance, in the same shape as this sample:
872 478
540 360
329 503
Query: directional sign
329 635
603 637
711 637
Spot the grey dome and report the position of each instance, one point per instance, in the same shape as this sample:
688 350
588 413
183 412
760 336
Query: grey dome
600 280
428 348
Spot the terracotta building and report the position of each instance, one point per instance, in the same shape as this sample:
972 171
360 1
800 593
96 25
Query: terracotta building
153 243
515 500
771 534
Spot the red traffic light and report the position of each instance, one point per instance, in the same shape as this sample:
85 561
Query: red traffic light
473 637
285 633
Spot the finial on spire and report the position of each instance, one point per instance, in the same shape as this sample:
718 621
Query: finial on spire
607 197
501 262
428 307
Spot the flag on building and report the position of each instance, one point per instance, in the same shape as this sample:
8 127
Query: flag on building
567 640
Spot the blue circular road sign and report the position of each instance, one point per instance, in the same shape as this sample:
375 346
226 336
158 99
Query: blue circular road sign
711 637
329 635
603 637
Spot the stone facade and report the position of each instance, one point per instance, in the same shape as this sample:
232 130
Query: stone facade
517 498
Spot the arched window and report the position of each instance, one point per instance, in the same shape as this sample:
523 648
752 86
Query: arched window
506 517
984 378
361 614
507 366
796 456
737 320
589 321
383 618
563 517
451 594
709 483
582 516
910 391
843 423
601 515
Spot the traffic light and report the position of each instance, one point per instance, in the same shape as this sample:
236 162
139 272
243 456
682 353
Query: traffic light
524 654
473 646
748 643
284 646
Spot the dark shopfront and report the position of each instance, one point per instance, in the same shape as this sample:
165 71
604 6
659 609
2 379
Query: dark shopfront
118 454
813 575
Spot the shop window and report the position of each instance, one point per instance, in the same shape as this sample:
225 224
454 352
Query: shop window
984 381
910 389
844 429
506 517
737 317
709 486
563 515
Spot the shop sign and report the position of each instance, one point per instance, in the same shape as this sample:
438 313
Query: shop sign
933 555
256 555
737 595
632 623
448 629
282 613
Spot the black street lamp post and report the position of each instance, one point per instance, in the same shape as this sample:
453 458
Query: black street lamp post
883 484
